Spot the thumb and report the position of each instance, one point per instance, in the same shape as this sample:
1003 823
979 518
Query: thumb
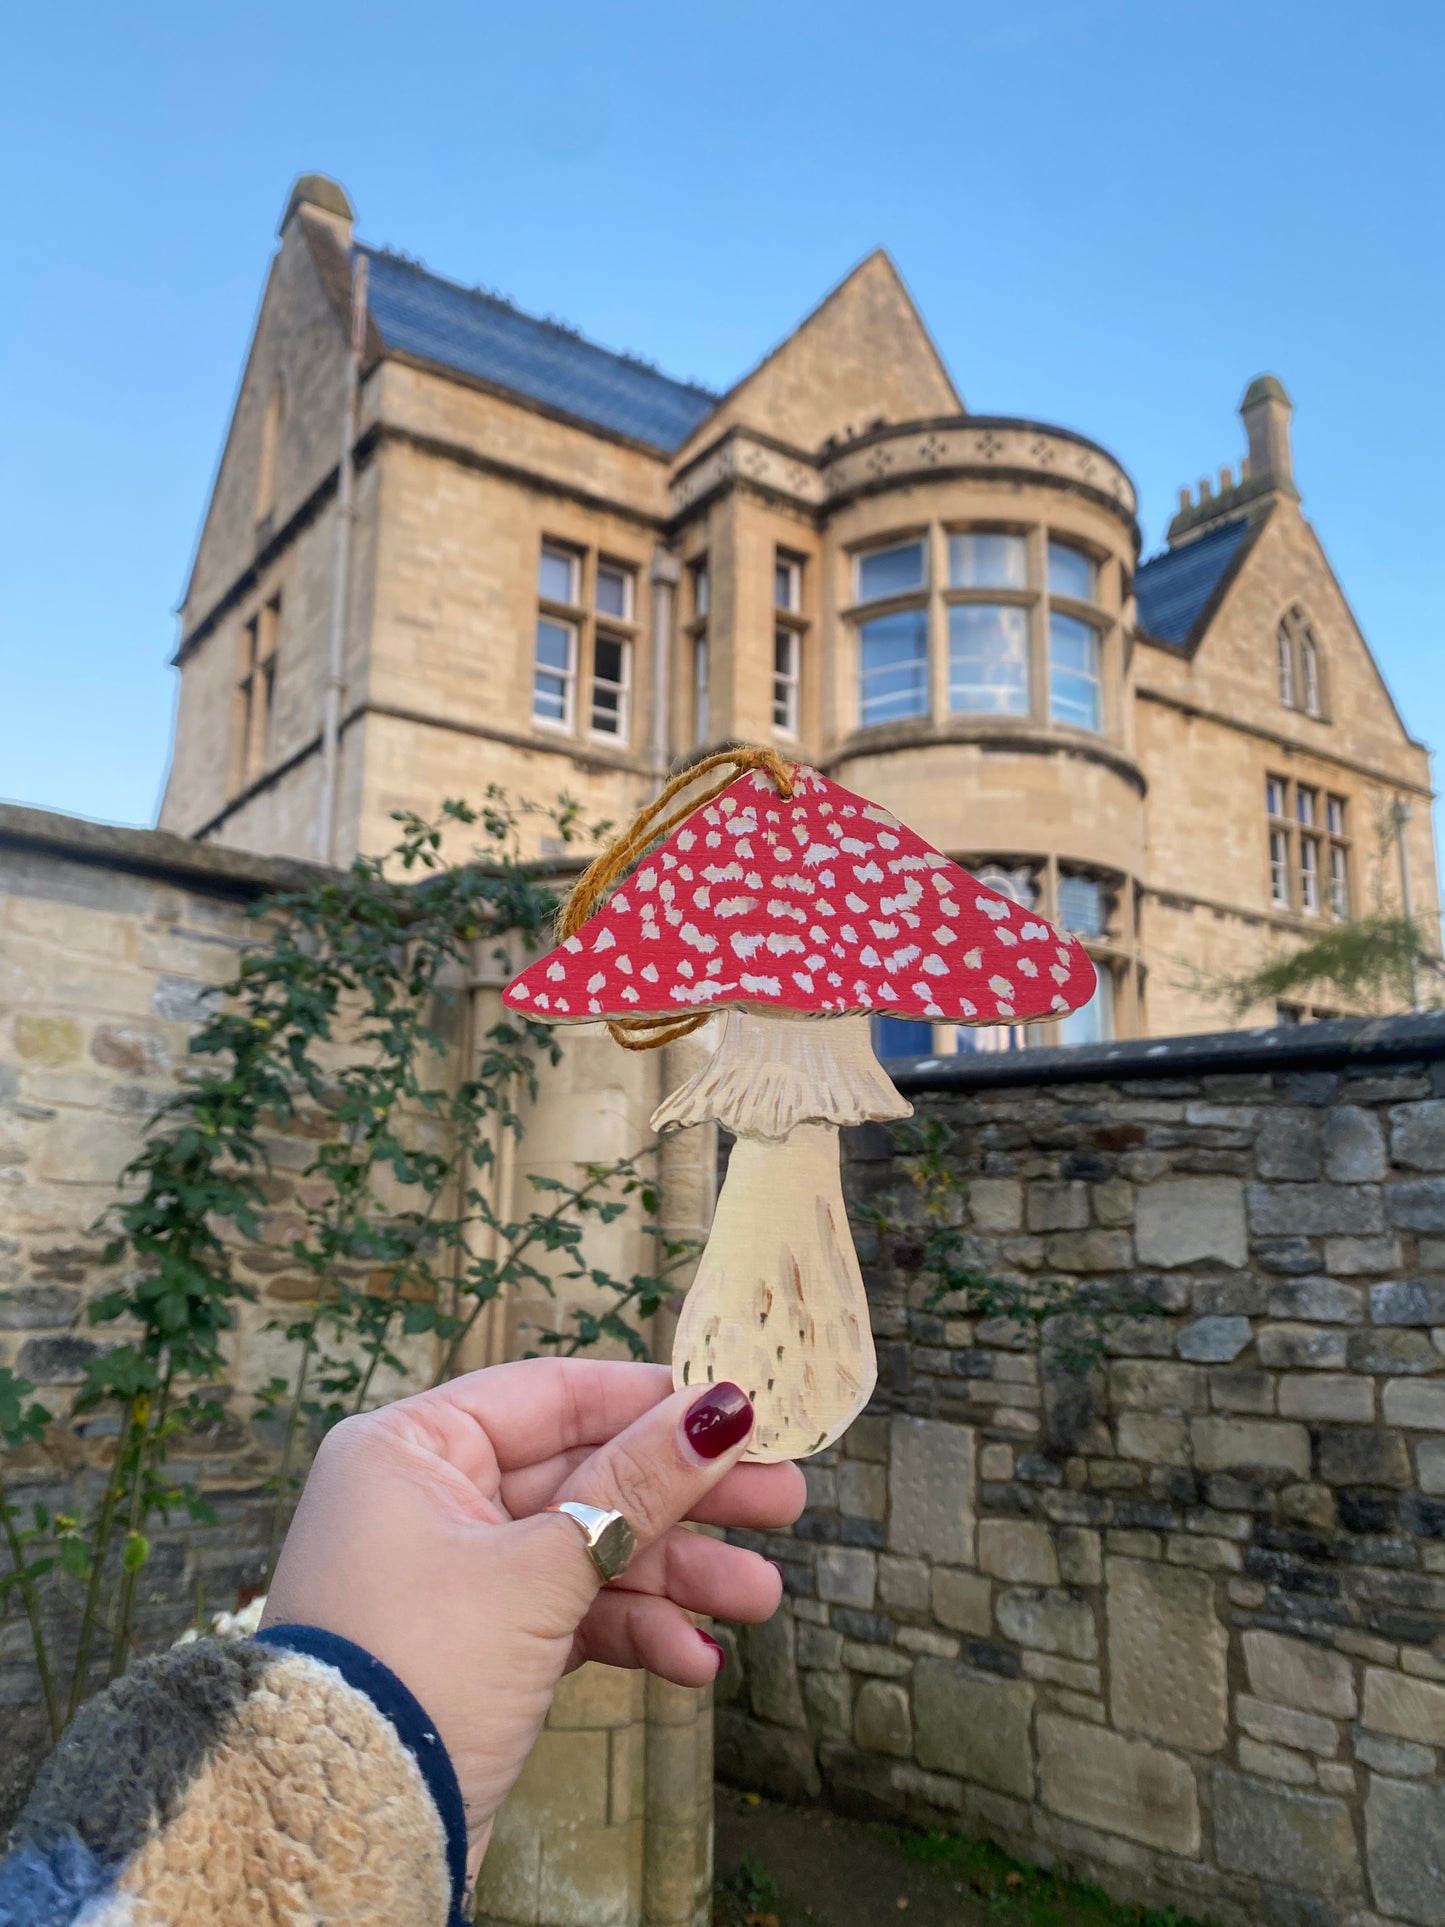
656 1471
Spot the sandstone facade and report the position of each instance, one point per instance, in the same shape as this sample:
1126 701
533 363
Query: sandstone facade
947 611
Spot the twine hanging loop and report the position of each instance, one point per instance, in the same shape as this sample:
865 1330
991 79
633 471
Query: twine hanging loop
650 826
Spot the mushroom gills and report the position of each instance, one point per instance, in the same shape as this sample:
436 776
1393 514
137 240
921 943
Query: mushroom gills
778 1305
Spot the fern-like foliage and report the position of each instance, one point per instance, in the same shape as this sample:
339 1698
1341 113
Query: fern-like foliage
1379 962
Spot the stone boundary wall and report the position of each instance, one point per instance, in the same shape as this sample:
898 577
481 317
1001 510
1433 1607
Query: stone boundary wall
109 939
1176 1623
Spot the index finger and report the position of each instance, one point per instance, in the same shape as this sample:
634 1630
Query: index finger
508 1416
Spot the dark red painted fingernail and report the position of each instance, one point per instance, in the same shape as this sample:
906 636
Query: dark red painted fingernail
721 1418
713 1647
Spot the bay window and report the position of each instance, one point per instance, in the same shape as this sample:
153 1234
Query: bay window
1021 616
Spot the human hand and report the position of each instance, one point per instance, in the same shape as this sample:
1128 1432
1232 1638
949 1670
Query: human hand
422 1536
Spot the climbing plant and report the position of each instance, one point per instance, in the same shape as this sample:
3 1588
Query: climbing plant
343 1030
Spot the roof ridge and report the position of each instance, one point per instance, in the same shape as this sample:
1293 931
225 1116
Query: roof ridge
476 291
1170 549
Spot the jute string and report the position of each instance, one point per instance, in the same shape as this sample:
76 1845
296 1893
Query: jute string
651 826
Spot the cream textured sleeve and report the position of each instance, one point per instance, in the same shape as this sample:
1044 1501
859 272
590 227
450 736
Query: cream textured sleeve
250 1783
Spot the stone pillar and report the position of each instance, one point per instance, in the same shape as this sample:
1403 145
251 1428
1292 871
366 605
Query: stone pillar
677 1835
610 1824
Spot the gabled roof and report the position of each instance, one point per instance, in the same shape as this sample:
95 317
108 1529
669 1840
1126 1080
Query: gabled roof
861 357
1175 589
418 313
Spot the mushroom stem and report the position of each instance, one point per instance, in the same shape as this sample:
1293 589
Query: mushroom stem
778 1304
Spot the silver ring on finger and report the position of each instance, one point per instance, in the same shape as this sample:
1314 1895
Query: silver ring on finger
610 1539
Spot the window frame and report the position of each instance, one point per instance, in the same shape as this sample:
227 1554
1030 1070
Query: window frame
791 566
574 558
787 682
623 689
628 577
701 687
1047 691
1307 848
585 625
891 545
993 590
1094 678
566 723
1301 665
1023 660
254 706
1073 878
1072 547
922 659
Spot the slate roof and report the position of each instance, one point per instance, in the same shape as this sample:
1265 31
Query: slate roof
478 334
1173 588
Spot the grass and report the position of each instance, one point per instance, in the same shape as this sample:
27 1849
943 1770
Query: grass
997 1888
1020 1895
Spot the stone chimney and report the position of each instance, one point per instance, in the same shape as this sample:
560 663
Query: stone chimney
328 199
1266 410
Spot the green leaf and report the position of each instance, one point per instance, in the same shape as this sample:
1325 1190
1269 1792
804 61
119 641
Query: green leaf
75 1556
134 1552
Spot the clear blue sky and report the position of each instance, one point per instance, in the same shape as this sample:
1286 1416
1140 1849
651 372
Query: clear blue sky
1112 213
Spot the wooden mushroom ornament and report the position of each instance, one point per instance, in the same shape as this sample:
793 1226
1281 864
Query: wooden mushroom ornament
795 915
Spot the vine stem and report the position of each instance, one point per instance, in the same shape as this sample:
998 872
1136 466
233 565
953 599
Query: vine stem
148 1442
394 1288
37 1625
283 1471
97 1566
599 1177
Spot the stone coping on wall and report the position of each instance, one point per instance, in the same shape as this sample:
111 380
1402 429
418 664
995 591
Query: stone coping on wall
1349 1041
153 853
210 868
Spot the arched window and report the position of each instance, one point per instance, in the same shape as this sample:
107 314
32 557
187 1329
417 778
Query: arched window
1286 667
1300 680
270 441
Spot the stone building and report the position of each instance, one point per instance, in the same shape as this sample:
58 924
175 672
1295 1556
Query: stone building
561 570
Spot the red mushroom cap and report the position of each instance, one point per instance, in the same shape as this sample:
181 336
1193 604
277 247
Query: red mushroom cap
815 905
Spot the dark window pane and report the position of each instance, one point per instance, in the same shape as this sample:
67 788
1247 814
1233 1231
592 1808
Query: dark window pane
612 596
1082 906
901 1037
608 655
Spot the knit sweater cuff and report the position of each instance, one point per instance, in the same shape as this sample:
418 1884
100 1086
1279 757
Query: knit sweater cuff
417 1733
